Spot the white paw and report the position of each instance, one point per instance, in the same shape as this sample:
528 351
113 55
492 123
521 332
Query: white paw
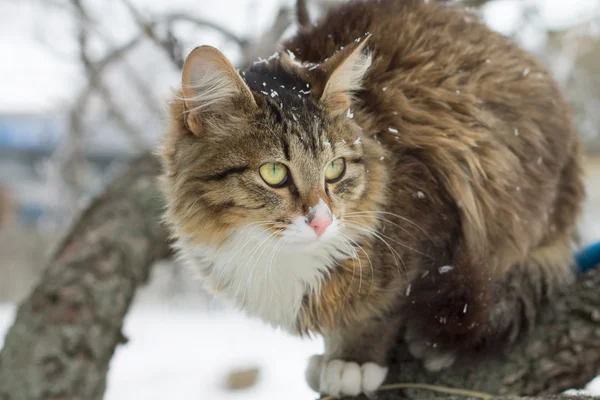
342 378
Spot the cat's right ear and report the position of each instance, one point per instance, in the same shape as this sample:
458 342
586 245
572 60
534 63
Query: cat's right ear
210 86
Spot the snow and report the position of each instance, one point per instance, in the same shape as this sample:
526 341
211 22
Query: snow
445 269
182 353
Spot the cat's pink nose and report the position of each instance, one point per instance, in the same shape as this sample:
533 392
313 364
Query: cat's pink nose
320 224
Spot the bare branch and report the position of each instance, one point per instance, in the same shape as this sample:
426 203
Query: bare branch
202 23
270 39
302 15
117 54
148 28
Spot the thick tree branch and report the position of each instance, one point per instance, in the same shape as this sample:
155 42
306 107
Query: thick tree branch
302 15
562 353
66 331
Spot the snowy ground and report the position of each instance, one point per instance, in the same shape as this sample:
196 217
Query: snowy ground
184 354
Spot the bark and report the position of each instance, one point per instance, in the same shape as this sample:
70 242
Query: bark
562 353
66 331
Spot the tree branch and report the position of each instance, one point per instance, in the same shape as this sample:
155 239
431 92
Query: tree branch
302 15
202 23
562 353
66 331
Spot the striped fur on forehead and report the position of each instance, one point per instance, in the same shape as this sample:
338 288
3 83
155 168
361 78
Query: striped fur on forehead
287 105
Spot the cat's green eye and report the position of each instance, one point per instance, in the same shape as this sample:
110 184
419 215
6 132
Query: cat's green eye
274 174
335 170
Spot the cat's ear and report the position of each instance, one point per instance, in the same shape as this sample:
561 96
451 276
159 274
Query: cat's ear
345 74
210 85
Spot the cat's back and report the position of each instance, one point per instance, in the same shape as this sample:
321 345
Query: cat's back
438 66
478 113
430 57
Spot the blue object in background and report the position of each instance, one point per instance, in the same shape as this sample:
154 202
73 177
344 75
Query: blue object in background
29 132
588 257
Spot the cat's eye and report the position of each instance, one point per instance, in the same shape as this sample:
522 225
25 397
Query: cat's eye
335 170
274 174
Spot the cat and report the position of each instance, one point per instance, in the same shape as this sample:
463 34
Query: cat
396 171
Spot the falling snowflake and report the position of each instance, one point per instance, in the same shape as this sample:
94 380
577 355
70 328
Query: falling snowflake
357 141
445 269
349 114
393 130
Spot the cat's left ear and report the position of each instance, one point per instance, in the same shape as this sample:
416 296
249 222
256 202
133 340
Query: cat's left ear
211 87
345 72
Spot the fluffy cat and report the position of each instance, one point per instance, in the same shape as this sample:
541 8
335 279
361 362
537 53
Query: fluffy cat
396 171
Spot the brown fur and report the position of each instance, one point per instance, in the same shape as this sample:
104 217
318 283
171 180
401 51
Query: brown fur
469 150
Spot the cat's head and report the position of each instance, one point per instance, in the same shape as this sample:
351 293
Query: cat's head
274 149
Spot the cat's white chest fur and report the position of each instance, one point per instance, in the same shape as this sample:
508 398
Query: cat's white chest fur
264 275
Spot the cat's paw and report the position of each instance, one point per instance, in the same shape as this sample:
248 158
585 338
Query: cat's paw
433 356
343 378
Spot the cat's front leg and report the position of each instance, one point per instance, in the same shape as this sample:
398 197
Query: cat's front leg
355 359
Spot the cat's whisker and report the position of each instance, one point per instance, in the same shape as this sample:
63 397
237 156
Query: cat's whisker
380 218
218 281
359 261
368 259
397 242
268 275
378 235
264 246
393 251
349 247
394 215
248 260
